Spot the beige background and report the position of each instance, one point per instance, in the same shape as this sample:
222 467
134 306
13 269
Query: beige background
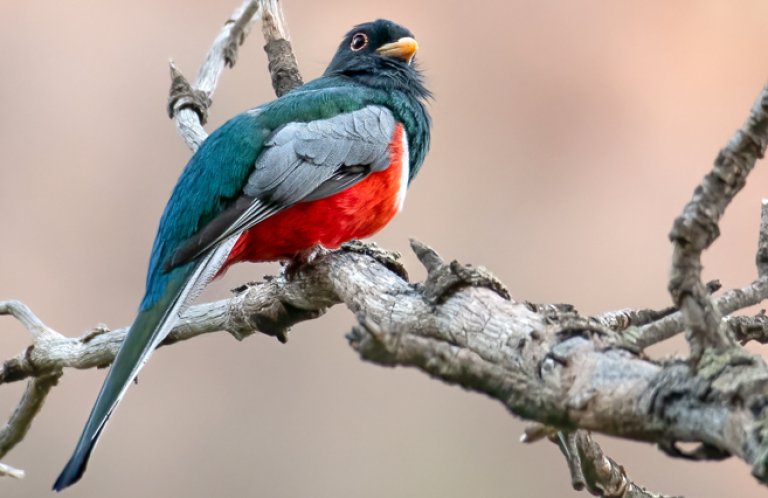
567 136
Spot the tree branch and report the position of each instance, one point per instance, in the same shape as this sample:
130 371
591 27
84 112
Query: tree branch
671 325
745 328
761 260
545 363
621 320
283 68
188 103
21 420
566 374
696 229
37 389
592 470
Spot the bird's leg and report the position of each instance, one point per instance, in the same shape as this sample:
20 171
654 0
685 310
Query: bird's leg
293 265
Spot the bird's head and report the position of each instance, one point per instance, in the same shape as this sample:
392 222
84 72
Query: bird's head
379 54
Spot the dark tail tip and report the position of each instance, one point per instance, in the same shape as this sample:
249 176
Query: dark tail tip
74 469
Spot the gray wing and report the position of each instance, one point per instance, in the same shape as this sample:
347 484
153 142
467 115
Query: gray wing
301 162
301 158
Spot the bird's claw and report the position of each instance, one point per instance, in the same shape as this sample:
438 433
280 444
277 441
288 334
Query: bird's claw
293 266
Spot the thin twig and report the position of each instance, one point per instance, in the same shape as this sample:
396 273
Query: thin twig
21 419
188 103
749 328
590 468
261 308
729 302
22 313
762 244
283 67
31 403
566 441
603 475
697 227
8 471
621 320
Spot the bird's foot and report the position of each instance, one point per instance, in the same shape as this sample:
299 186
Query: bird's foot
390 259
293 266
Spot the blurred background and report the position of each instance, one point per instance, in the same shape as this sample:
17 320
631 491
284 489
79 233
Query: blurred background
567 136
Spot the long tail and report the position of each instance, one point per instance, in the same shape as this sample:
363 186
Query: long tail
148 330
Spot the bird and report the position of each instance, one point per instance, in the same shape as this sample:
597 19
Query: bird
325 163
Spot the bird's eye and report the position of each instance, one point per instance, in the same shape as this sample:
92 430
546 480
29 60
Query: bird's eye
359 41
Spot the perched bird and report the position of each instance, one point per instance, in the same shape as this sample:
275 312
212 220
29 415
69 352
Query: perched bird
325 163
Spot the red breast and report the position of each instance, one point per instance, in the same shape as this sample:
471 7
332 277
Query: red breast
355 213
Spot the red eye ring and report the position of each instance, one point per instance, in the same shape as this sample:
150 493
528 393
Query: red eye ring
359 42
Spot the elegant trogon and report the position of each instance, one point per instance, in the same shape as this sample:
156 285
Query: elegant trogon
325 163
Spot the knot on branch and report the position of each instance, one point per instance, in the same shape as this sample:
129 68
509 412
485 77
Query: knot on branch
721 369
552 312
183 96
273 318
238 33
389 259
745 328
445 280
373 344
232 48
685 282
17 369
702 452
674 382
694 230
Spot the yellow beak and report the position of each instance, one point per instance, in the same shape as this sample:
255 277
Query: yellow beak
404 48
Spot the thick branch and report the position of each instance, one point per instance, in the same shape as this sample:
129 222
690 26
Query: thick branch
563 374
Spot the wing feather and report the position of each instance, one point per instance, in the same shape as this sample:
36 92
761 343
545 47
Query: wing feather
300 162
